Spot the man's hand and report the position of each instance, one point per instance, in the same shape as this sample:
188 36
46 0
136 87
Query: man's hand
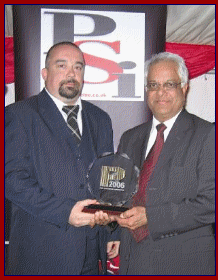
78 218
113 249
133 218
101 218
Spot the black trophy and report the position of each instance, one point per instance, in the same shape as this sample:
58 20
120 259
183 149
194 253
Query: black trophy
112 180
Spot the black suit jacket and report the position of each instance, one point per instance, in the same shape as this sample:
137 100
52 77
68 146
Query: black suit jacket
45 175
180 201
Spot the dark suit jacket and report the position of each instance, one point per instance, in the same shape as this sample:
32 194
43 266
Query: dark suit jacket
44 178
180 201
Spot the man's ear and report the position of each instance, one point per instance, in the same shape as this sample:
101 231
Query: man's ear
185 89
44 73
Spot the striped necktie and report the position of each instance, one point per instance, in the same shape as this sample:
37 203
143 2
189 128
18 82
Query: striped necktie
72 112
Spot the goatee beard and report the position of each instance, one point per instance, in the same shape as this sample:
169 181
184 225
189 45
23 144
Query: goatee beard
69 92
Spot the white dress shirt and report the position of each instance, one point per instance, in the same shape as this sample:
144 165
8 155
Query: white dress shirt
153 133
60 105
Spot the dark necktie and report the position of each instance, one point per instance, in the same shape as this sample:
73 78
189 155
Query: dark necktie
148 167
72 112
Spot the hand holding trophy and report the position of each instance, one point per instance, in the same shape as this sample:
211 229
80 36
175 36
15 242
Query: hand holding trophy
112 179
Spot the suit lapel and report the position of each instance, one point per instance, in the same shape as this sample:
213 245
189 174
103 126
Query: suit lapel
52 117
87 141
138 144
144 144
55 122
181 126
174 150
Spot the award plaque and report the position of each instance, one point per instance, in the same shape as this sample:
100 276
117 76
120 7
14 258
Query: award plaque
112 180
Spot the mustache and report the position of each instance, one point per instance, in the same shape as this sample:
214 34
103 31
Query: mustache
71 80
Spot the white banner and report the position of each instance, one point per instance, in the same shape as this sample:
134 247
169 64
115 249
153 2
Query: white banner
114 49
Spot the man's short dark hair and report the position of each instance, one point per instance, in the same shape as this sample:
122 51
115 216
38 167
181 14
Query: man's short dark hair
67 43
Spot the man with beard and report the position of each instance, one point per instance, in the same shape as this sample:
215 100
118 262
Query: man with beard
46 162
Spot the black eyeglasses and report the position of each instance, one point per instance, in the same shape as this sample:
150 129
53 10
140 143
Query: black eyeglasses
166 86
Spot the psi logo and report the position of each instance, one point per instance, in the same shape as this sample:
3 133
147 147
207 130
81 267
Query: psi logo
114 49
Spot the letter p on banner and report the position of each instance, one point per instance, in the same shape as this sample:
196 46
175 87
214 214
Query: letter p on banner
113 44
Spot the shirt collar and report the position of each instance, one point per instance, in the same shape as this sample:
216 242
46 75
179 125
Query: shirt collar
60 104
169 123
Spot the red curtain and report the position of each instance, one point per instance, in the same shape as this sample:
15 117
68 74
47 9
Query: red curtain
9 60
199 58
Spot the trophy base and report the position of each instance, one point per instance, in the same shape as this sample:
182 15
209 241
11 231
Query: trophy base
109 209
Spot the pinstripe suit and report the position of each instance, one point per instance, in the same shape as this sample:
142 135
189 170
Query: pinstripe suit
180 202
44 178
